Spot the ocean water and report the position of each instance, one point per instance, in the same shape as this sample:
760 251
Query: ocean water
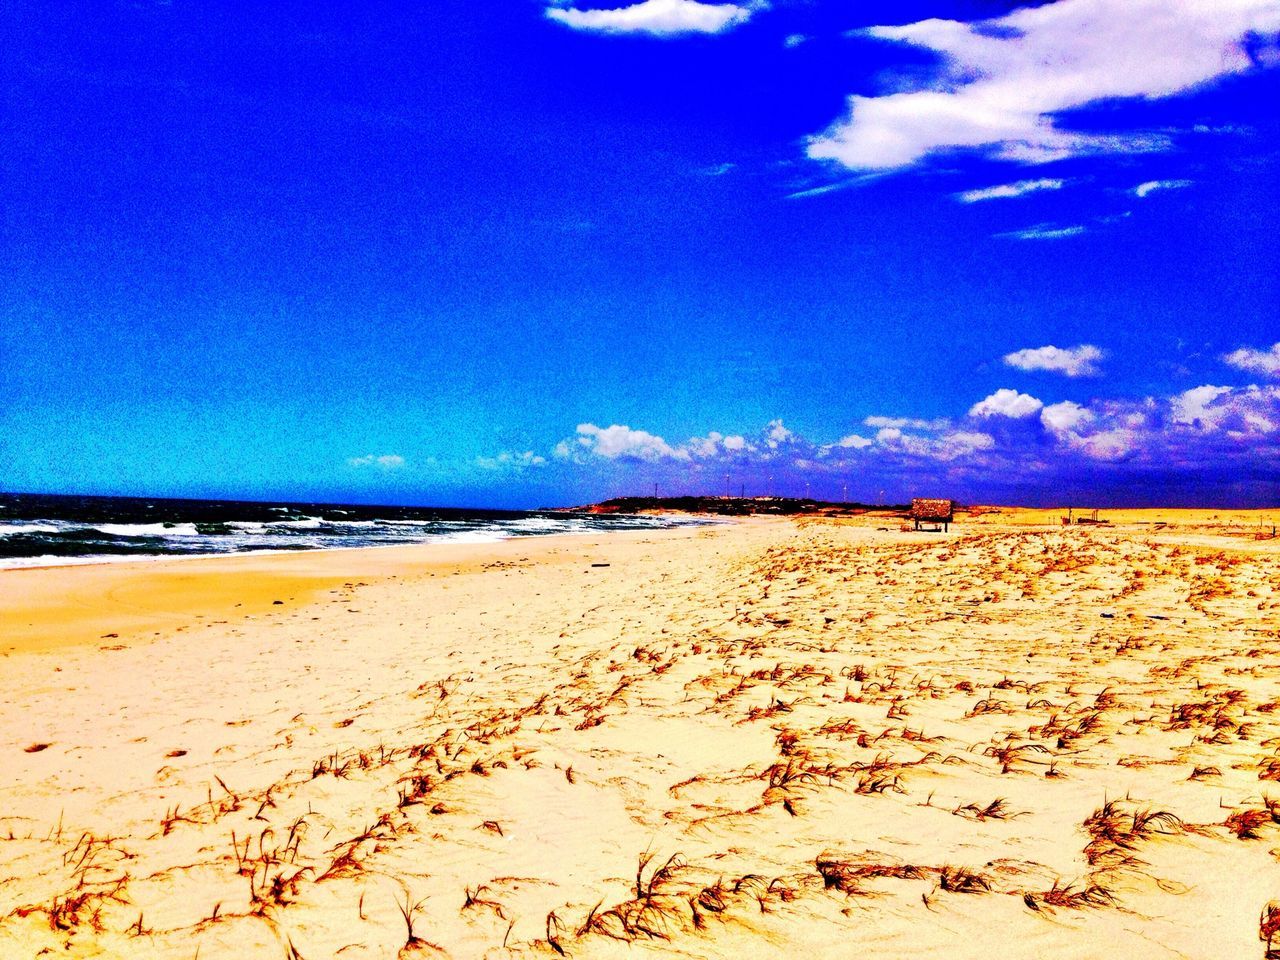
42 530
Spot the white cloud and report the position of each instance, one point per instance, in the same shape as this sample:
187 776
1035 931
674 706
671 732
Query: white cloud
1006 403
659 18
776 434
1239 412
1265 362
1206 426
1043 231
1110 445
1246 412
385 461
1078 361
951 446
1222 436
621 442
716 444
853 442
794 40
1065 416
966 441
1005 190
910 422
1192 407
1004 82
1142 189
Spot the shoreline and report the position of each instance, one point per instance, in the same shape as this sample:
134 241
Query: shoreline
806 736
78 603
98 559
82 602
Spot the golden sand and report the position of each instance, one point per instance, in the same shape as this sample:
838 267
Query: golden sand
762 739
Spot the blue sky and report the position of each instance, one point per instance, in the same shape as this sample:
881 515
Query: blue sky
533 253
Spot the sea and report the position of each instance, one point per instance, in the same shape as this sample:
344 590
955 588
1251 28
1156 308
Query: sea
47 530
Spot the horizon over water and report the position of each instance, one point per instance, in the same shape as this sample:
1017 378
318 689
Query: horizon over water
57 529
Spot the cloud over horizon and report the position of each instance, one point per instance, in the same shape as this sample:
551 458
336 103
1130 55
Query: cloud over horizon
1004 84
1006 441
617 442
384 461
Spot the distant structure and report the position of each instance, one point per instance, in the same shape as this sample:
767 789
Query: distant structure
935 512
1091 520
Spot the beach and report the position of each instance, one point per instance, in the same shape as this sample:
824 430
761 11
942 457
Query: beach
763 738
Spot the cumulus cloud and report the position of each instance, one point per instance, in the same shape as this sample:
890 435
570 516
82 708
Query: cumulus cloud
1003 83
1065 416
383 461
619 442
1237 411
1007 403
776 434
1205 427
1007 190
623 443
1265 362
1193 407
1221 438
658 18
950 446
717 444
1142 189
1119 443
1080 361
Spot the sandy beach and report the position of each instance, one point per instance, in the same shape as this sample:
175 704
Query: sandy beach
768 738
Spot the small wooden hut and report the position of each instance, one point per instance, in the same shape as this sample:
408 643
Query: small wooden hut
936 512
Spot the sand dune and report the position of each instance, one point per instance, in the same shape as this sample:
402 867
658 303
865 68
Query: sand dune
757 739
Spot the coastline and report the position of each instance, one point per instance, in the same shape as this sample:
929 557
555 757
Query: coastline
50 606
826 736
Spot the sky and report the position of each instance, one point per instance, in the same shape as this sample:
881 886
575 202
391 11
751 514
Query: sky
543 252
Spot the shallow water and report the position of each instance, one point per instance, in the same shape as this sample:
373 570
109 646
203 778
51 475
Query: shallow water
42 530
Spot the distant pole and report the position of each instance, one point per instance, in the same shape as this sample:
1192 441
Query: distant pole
844 492
771 487
743 493
728 490
655 491
806 490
